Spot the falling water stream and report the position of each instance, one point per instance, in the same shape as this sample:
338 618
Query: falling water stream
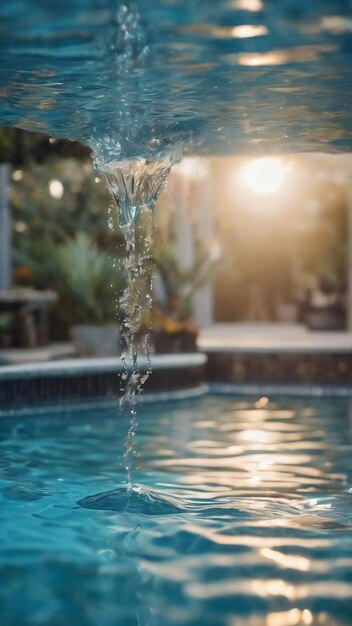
135 186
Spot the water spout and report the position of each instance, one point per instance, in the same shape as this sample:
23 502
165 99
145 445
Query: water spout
135 186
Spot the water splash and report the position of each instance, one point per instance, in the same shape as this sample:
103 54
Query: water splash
137 500
135 186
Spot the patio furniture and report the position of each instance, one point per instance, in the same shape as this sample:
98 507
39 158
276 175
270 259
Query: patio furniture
30 310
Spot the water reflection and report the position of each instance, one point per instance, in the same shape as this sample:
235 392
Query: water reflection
243 31
300 54
260 532
147 75
275 449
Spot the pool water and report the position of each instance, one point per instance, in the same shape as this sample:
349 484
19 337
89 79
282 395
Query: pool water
241 516
135 78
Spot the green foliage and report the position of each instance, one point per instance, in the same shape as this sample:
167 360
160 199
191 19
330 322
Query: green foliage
5 321
181 285
39 220
86 280
48 244
20 147
324 248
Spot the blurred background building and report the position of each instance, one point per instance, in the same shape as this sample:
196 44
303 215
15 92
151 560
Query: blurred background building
254 240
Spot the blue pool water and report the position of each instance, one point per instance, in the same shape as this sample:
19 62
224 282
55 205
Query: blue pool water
242 516
135 78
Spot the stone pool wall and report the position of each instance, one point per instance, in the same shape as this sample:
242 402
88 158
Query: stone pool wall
280 368
78 379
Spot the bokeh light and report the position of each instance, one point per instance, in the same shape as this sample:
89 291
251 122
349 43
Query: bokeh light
56 188
263 176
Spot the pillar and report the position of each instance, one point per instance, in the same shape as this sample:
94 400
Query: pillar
193 207
349 256
5 228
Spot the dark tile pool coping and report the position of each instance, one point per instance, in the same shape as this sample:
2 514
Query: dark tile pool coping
83 379
294 368
102 403
296 391
84 382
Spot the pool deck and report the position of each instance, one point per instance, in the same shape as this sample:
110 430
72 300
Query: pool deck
42 354
264 354
234 358
98 365
226 338
271 339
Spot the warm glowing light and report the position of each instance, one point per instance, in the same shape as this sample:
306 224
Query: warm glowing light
287 618
56 189
255 480
287 561
275 587
17 175
256 59
192 168
249 5
245 31
215 31
263 176
298 54
337 24
262 402
257 436
20 227
307 617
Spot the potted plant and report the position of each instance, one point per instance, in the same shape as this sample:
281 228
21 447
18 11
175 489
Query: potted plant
173 327
87 282
325 306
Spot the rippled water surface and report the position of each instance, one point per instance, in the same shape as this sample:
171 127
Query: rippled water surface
134 78
241 516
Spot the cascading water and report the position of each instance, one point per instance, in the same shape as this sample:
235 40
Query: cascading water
135 186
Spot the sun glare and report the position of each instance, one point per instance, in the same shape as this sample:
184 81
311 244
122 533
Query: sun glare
263 176
56 189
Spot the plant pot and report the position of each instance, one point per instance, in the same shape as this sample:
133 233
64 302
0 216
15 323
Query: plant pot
327 318
96 340
171 343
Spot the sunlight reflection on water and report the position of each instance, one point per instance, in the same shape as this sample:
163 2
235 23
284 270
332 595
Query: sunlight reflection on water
243 75
243 514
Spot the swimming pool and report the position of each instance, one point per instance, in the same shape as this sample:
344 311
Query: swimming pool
252 527
135 78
